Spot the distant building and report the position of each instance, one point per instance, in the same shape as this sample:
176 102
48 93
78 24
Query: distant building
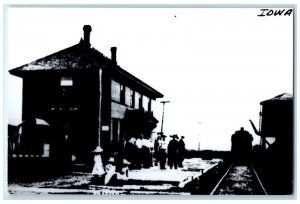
274 157
276 118
87 100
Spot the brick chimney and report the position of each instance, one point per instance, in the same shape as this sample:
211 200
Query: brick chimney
86 34
114 55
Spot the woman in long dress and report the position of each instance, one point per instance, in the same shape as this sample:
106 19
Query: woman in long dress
98 169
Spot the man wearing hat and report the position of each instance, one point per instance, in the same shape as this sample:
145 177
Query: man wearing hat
181 151
173 152
110 170
124 174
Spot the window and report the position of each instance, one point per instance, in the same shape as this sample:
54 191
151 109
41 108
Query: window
127 96
66 92
132 98
115 91
66 81
122 91
145 103
137 100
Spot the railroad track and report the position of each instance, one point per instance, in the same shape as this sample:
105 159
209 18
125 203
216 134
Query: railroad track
239 180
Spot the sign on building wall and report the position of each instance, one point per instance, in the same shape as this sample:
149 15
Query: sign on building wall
105 128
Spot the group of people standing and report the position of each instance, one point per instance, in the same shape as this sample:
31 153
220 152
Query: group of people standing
141 152
173 152
137 153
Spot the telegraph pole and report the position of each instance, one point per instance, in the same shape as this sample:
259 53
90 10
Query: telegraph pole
162 120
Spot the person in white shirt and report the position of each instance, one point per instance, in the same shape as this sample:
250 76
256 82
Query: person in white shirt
162 154
139 154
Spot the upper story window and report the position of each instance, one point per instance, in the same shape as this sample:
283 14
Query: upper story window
132 98
145 103
122 94
127 96
137 100
66 81
115 91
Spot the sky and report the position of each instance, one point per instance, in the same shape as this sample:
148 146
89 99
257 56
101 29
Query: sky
214 65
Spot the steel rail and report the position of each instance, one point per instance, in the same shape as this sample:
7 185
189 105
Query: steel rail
216 187
226 173
259 181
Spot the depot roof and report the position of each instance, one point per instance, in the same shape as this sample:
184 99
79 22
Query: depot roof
82 56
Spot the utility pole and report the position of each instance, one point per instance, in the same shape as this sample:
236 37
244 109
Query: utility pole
162 120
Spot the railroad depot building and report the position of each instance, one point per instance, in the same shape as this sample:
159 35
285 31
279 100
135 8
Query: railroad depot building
85 99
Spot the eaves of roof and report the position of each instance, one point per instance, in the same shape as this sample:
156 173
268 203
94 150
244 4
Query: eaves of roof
80 57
